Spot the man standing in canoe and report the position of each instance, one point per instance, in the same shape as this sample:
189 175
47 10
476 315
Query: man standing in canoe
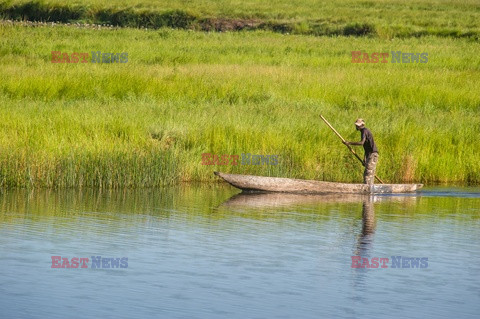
371 152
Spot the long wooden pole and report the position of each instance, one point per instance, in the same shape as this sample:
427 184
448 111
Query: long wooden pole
349 147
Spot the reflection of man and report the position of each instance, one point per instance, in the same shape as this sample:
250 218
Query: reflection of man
368 227
368 217
371 153
363 248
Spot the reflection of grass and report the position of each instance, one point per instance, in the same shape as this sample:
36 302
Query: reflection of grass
209 206
405 18
147 122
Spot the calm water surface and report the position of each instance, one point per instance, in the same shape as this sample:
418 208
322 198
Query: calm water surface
198 252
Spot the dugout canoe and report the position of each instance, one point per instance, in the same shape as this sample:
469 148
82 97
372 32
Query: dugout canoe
301 186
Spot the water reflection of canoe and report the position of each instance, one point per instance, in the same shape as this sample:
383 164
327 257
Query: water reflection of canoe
270 200
300 186
285 199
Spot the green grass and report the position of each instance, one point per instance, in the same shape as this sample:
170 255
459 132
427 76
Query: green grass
379 18
183 93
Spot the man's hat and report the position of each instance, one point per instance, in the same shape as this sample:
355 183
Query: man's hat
359 122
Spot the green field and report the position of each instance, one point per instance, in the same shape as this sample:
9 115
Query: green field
184 92
381 18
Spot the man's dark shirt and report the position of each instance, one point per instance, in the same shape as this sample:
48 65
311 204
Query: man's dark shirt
369 145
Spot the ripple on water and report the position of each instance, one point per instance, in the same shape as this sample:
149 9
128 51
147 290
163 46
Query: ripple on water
201 253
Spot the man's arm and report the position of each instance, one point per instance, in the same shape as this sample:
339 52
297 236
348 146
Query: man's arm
356 143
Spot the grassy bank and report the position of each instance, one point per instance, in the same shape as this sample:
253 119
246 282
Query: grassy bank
378 18
182 93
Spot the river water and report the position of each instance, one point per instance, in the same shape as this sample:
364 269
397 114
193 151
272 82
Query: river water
209 252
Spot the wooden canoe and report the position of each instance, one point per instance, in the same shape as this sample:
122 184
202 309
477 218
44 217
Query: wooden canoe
301 186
